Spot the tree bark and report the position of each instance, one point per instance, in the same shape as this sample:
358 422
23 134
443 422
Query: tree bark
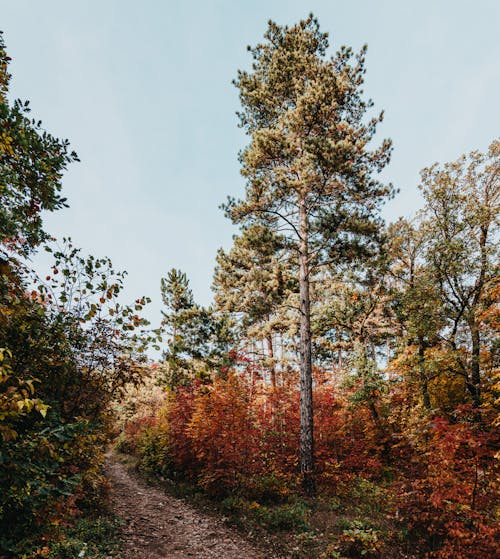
475 384
272 368
423 375
306 443
475 380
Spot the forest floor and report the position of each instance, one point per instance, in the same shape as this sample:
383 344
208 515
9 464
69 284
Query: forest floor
159 526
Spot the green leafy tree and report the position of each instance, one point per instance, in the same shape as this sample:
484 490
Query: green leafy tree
416 301
462 209
67 347
70 349
309 167
353 321
353 307
32 163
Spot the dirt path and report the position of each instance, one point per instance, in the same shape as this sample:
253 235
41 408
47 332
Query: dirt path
158 526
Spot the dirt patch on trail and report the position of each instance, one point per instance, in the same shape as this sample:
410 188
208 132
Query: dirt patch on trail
158 526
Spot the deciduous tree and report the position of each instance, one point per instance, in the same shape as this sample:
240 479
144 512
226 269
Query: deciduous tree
462 209
32 163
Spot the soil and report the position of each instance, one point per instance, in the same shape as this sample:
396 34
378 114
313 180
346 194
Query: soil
159 526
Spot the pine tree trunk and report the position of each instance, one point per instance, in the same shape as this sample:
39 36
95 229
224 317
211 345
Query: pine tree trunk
270 351
306 403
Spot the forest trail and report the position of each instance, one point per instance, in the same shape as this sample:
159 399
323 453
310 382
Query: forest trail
158 526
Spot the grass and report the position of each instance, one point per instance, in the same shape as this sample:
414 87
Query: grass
88 538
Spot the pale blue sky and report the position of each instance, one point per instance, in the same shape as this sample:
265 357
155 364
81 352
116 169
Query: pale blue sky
143 92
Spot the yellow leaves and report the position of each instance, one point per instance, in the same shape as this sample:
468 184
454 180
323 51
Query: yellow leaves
24 404
4 354
42 409
6 144
29 383
15 397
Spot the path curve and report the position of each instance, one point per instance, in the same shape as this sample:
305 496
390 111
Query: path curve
158 526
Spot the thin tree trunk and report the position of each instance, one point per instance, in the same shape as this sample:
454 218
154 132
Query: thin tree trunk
306 403
423 376
270 351
475 384
475 379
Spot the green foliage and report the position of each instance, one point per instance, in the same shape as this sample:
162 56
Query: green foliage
367 381
31 168
331 553
352 316
268 489
307 121
69 353
154 452
283 517
16 398
234 504
253 278
199 339
445 263
359 539
254 282
67 349
288 516
91 538
369 497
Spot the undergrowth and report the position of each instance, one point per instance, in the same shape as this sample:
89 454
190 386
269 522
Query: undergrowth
95 537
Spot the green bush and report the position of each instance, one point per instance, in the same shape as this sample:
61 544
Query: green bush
153 451
292 516
359 539
283 517
122 444
95 538
269 489
234 504
369 497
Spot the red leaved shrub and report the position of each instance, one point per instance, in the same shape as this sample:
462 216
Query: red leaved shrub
447 498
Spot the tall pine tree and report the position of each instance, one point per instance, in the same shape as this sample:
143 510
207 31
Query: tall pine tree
309 167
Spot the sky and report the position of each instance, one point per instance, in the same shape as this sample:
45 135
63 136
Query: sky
143 92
